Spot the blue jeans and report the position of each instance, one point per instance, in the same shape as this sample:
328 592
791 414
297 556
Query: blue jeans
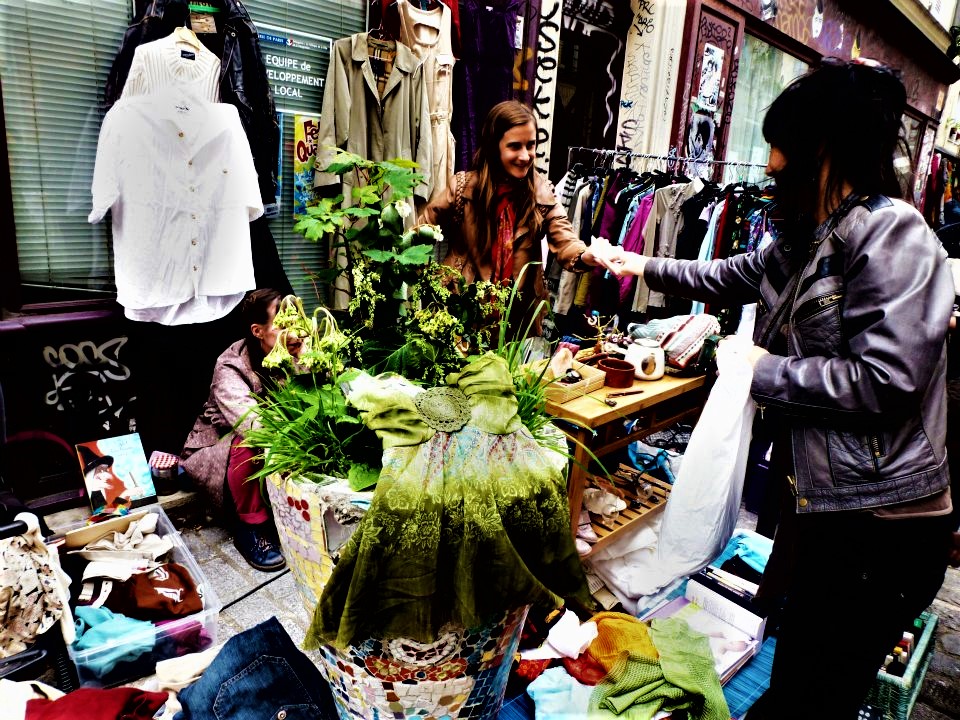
259 674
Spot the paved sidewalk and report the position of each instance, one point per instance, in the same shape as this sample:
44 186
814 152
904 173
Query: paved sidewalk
250 597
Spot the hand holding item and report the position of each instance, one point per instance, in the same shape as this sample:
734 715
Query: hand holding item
623 262
743 346
601 253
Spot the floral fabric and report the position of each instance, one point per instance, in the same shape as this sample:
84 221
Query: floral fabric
462 526
33 590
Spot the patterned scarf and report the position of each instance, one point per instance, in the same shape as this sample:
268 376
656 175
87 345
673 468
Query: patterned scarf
502 250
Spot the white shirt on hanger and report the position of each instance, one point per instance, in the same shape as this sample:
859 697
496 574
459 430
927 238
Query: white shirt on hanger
178 174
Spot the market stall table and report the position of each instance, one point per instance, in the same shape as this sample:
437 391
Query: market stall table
599 428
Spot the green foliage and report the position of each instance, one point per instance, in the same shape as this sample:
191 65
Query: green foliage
407 314
304 426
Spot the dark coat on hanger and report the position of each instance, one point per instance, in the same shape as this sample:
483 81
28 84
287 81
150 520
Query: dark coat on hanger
243 77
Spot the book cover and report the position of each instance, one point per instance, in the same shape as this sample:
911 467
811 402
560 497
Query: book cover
115 474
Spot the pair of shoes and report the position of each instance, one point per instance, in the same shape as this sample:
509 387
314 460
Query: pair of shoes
257 548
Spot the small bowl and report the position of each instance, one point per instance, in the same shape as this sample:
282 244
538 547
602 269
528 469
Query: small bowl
619 372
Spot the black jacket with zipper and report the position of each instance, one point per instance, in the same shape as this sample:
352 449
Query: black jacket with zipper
863 309
243 78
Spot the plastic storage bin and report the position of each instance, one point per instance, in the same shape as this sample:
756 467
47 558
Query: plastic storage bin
893 698
136 655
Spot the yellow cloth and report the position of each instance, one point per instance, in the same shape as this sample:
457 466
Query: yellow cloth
617 635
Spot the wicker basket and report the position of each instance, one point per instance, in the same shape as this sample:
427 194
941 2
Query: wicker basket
893 698
592 379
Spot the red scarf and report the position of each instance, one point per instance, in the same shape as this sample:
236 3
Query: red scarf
502 251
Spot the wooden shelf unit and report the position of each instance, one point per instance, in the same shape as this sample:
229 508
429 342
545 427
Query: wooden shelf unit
597 430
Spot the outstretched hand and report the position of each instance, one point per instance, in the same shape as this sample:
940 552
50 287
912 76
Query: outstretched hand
614 258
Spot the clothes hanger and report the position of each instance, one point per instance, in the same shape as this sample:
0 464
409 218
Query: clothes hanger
183 34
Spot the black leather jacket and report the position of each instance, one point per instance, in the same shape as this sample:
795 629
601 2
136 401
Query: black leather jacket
863 310
243 79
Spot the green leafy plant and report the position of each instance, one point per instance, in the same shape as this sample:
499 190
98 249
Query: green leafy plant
408 313
304 424
305 427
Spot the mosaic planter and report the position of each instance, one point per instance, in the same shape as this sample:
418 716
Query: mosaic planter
304 524
462 675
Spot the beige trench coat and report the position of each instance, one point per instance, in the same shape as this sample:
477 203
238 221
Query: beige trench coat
356 119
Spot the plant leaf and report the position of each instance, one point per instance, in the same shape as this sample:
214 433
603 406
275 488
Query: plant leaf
416 255
359 211
361 477
380 255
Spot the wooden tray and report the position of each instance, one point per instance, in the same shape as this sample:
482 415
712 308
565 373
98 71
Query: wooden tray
560 393
637 505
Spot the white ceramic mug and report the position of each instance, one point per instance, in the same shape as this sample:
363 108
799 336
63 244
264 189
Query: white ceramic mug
648 358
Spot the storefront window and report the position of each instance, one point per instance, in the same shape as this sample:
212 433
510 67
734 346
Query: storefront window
53 85
764 72
53 82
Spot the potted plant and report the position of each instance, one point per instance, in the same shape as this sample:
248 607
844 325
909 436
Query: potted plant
411 316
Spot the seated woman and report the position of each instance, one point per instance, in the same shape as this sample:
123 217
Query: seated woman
496 215
213 453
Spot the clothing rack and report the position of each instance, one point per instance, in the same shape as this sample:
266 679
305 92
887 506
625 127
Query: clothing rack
672 158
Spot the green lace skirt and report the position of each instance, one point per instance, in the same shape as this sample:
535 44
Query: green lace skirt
462 527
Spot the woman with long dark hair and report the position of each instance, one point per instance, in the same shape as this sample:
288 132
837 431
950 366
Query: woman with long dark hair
849 367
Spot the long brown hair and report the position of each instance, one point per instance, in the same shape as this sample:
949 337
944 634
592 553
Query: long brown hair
489 169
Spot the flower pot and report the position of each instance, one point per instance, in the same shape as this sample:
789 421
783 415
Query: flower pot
463 673
300 511
619 372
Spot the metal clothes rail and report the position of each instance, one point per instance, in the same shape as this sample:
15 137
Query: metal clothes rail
604 152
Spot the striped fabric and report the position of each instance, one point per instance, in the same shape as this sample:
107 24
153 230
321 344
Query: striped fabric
166 63
745 688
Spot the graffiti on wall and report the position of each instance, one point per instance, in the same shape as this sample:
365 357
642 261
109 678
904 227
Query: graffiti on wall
90 380
648 91
545 92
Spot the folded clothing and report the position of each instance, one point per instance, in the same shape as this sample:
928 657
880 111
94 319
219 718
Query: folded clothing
161 594
116 638
139 541
98 704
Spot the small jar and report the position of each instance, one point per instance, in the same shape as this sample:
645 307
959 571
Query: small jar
648 358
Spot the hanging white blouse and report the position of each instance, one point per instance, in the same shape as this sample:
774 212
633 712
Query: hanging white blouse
178 174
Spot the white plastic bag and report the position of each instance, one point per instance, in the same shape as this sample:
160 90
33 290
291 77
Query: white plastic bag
702 510
704 504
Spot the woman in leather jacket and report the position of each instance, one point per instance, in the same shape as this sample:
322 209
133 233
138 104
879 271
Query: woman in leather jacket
853 302
496 214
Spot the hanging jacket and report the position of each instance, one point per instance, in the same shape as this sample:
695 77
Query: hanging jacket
243 81
862 311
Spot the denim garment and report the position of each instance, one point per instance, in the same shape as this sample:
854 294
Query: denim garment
259 674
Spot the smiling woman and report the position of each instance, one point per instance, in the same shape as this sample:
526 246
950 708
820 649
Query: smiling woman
495 215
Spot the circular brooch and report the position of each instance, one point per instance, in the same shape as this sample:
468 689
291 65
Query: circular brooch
443 408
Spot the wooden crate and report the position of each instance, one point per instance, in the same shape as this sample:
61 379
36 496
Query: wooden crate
627 480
